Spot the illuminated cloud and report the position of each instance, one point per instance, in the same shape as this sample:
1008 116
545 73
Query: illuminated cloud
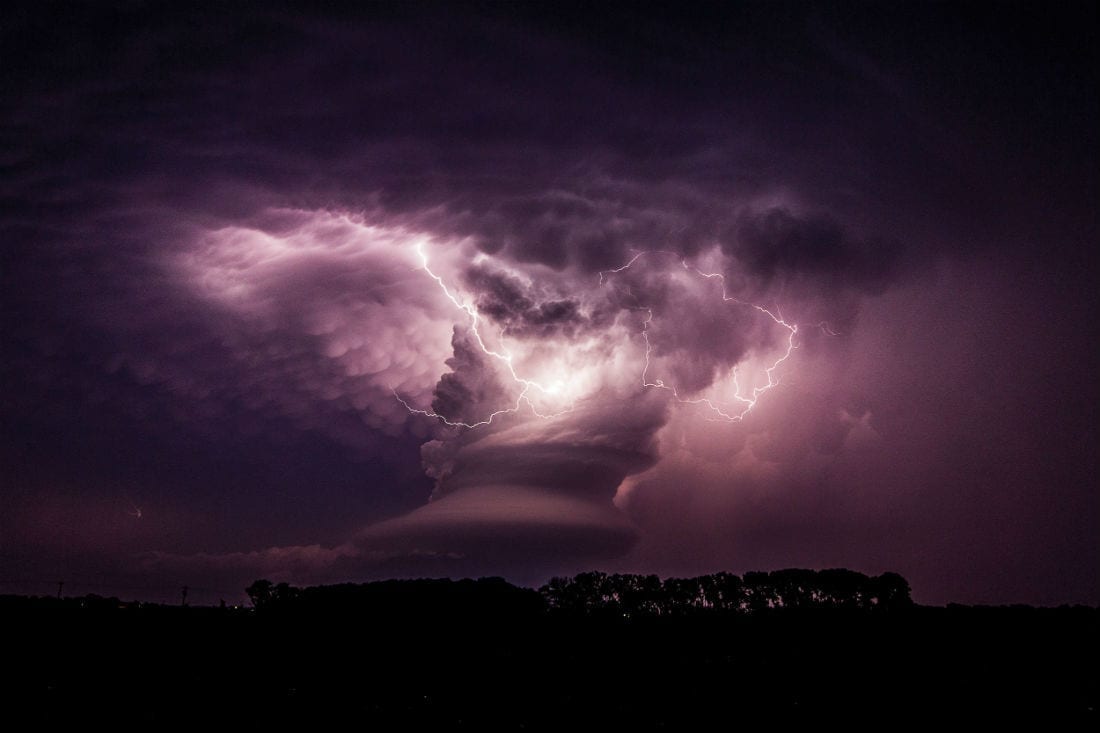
324 313
216 224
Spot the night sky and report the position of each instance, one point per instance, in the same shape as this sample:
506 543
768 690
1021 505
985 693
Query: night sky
719 287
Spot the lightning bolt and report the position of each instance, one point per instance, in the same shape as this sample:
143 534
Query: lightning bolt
505 357
746 401
635 258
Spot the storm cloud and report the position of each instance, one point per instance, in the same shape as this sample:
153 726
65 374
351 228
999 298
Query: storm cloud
731 288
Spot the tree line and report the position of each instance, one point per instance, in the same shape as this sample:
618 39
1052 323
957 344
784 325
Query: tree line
647 595
603 594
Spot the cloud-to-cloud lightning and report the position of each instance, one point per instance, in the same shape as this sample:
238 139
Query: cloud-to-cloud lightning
746 401
628 221
503 356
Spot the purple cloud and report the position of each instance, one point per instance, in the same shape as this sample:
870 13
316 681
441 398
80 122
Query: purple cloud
216 225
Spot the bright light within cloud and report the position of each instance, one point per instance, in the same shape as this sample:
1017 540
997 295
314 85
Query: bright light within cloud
378 305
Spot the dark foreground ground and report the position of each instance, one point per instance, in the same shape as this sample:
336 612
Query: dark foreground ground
513 665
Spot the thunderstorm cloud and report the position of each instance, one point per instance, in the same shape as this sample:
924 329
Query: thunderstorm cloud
480 289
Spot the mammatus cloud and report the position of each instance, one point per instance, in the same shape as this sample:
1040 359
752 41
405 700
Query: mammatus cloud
713 345
325 313
216 224
556 384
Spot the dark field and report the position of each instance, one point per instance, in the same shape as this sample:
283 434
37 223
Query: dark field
488 655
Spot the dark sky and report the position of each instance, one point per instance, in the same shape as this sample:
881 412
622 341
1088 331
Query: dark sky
731 286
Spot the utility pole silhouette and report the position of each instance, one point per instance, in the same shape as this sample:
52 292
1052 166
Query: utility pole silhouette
60 585
183 596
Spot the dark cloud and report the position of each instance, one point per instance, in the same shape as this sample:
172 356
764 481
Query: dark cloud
520 529
775 244
210 291
469 390
505 300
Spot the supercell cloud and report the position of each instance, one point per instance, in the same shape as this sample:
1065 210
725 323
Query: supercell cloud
726 288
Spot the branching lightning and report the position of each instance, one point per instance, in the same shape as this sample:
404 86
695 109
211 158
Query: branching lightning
505 357
746 401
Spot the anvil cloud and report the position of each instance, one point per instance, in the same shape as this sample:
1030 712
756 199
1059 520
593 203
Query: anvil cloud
255 260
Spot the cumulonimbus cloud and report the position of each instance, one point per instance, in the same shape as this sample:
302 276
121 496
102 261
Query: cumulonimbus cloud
218 229
544 387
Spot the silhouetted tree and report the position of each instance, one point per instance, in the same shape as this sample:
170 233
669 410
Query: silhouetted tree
892 591
556 593
725 592
633 594
682 595
260 592
842 588
759 594
284 593
793 587
643 595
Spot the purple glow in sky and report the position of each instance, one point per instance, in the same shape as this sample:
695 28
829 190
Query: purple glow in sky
420 289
